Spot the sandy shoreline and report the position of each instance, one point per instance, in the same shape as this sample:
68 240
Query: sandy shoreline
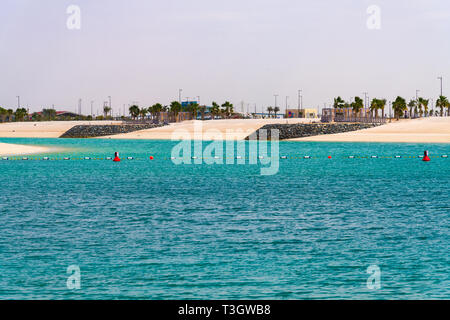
10 149
44 129
229 129
425 130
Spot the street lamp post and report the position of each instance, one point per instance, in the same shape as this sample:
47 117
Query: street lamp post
276 96
110 107
417 100
440 78
18 102
285 111
179 95
299 102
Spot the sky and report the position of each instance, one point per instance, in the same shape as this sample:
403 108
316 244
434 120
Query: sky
144 51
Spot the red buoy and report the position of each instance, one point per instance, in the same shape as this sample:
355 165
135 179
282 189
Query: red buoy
116 157
329 157
151 157
426 157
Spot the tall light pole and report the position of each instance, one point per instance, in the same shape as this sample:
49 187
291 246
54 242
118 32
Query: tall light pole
440 78
179 95
92 106
18 102
390 109
276 96
299 102
110 107
285 111
198 100
365 99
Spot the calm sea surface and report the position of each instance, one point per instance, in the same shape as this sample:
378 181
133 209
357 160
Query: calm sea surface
144 229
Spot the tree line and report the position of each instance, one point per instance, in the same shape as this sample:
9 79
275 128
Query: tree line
194 109
417 107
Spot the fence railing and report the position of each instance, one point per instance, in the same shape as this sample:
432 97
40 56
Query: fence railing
330 118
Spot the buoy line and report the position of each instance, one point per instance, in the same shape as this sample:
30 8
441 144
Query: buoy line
425 157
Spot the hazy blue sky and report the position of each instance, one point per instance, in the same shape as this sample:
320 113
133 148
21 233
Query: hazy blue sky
237 50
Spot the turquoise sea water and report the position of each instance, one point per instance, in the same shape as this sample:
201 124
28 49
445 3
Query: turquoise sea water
144 229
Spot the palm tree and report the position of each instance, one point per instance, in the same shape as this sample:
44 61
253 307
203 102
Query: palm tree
156 110
20 114
9 113
193 108
202 111
134 111
36 116
338 102
275 110
106 110
357 105
399 106
48 114
215 110
423 103
143 112
412 104
270 110
374 107
175 108
3 113
381 105
442 102
227 108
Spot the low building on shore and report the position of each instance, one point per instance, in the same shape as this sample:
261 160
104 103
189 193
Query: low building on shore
307 113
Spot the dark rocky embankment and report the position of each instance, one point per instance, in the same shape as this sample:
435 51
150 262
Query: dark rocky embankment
92 131
300 130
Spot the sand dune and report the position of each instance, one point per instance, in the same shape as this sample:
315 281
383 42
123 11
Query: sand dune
425 130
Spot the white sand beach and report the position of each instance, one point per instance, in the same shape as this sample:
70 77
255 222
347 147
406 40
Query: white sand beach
9 149
238 129
424 130
44 129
